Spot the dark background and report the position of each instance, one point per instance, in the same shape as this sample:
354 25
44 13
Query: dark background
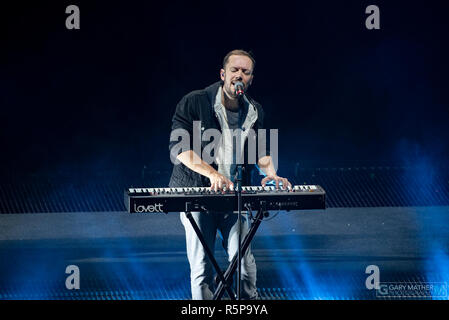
102 97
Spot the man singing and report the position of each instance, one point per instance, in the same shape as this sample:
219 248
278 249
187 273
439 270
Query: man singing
219 106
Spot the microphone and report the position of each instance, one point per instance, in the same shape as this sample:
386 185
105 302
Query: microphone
239 88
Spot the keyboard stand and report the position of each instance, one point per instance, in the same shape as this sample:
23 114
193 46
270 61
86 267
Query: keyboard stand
225 280
209 253
244 247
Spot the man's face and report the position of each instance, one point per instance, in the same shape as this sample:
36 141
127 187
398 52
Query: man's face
238 68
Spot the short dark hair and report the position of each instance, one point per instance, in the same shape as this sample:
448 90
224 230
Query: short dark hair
239 52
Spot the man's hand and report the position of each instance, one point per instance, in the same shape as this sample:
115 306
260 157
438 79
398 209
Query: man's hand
277 179
266 164
219 181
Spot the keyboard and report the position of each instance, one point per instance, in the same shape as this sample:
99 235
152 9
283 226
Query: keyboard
203 199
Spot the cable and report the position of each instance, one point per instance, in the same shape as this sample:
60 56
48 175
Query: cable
272 217
250 214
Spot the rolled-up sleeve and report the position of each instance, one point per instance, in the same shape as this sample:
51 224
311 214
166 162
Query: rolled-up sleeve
261 124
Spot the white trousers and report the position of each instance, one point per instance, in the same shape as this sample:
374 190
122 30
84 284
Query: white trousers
201 268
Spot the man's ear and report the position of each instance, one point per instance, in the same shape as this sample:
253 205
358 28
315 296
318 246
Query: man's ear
251 81
222 74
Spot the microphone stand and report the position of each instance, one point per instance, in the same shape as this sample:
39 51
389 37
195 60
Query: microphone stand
239 206
239 202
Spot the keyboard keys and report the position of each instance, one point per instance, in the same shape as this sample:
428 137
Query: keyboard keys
230 190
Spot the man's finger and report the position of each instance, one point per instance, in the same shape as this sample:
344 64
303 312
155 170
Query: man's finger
284 183
226 185
266 179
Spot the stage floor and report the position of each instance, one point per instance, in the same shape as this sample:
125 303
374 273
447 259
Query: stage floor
316 254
